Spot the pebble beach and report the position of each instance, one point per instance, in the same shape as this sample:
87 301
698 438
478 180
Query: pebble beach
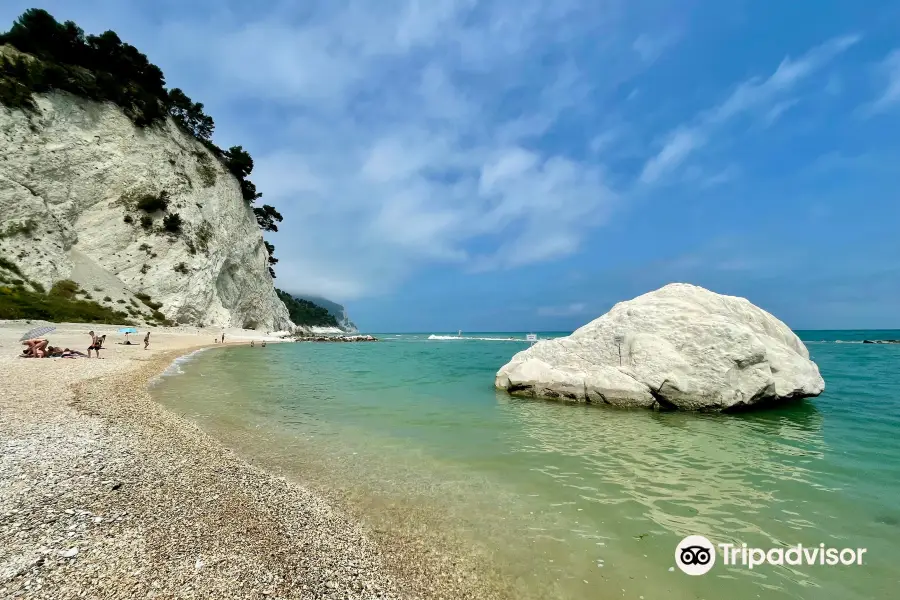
106 494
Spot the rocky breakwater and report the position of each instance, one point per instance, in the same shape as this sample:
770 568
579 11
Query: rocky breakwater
336 338
679 347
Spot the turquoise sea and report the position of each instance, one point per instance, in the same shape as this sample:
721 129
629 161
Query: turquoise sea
565 500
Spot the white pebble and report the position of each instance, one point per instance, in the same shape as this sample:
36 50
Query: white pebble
70 553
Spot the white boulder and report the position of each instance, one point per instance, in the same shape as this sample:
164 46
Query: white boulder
680 346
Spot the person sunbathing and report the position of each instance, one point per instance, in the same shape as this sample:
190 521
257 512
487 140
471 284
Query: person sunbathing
36 348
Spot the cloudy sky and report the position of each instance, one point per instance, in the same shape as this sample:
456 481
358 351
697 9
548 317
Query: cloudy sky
524 164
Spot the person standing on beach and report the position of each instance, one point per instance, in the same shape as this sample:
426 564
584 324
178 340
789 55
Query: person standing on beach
223 337
147 341
95 344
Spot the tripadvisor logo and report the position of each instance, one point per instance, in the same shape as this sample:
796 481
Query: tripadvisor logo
696 555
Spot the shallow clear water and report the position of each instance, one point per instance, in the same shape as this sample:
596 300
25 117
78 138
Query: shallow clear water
566 500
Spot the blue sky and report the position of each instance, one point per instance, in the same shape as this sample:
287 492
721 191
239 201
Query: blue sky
523 165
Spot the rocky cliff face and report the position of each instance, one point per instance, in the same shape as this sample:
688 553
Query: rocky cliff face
72 178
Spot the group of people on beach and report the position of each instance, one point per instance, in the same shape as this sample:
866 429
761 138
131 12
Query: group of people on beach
41 348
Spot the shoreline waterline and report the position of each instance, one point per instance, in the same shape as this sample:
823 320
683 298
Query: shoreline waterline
420 548
103 489
578 499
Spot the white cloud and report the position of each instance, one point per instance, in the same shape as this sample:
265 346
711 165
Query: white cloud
603 141
679 146
756 92
403 135
751 95
506 168
775 113
889 73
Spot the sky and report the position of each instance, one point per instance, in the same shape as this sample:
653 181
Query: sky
523 165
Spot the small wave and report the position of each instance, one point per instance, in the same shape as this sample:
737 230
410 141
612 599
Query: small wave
175 367
481 339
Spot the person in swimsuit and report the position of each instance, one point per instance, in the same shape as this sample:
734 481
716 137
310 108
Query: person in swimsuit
147 341
36 348
96 344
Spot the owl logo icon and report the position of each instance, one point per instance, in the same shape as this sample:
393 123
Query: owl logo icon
695 555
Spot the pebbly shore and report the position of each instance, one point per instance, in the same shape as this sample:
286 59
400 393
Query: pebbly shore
106 494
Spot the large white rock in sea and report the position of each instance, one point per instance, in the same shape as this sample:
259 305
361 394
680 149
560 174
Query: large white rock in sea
681 346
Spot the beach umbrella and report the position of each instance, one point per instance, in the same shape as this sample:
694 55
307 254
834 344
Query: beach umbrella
36 333
128 330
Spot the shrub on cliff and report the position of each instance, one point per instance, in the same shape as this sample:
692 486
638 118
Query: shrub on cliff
106 69
100 67
153 202
60 305
172 223
16 84
64 288
240 164
270 249
19 303
25 228
267 216
190 115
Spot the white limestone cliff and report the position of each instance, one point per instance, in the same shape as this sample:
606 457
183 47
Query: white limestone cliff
74 169
681 346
